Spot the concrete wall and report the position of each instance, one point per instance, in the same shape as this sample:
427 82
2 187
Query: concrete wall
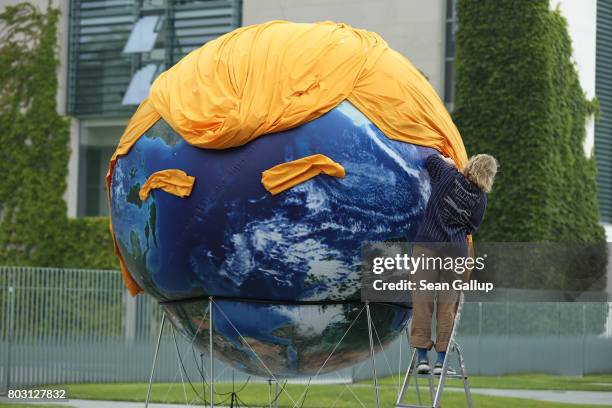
415 28
71 193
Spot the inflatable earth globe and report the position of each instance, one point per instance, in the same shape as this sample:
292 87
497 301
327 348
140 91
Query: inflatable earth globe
283 270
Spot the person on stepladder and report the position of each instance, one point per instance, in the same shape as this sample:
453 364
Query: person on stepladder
455 209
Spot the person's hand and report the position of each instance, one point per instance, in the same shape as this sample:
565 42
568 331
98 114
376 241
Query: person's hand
448 160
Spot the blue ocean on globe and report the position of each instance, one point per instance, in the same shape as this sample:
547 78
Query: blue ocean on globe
263 256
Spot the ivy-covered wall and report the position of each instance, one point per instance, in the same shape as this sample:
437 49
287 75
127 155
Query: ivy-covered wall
34 227
519 98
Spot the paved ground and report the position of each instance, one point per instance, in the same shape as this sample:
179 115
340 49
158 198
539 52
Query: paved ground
569 397
101 404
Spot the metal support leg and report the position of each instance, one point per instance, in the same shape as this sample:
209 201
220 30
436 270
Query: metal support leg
372 355
161 330
406 382
276 394
416 386
269 392
464 374
210 349
431 388
438 397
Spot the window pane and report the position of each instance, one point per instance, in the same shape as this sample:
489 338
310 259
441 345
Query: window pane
139 85
111 40
143 35
450 40
450 9
92 180
93 193
449 82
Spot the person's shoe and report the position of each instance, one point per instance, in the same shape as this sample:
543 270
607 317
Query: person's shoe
423 367
438 369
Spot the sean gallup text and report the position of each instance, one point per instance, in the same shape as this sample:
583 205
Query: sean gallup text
424 284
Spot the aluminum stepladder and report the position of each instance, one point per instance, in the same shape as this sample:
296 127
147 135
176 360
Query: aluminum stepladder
436 399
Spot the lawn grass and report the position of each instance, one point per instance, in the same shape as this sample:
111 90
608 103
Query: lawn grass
531 382
319 396
11 405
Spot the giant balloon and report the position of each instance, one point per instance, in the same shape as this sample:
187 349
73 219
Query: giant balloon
284 268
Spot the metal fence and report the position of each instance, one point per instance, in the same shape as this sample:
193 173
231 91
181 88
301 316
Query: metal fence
558 338
60 326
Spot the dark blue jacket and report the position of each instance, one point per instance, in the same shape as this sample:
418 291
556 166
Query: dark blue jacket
455 208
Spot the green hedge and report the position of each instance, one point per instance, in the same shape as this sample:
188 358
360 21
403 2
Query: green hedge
518 97
34 228
89 245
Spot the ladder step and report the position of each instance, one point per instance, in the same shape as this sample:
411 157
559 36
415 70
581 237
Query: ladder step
400 405
453 376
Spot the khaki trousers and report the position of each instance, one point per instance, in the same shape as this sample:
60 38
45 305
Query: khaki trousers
423 305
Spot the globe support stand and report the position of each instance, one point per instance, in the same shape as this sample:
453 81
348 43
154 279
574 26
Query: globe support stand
211 303
276 393
161 330
375 377
210 343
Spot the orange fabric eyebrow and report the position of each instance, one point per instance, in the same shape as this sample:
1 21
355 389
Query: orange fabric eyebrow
286 175
172 181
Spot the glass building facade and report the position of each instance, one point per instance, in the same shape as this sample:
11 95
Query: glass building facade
116 49
603 126
449 53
